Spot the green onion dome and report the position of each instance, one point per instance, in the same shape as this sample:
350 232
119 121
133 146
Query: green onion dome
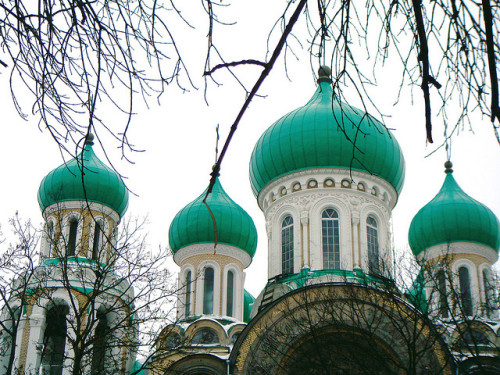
453 216
100 183
326 133
248 301
194 224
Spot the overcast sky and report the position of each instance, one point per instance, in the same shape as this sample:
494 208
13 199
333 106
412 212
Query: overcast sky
178 137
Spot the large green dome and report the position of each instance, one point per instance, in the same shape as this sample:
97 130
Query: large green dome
194 224
100 183
453 216
321 134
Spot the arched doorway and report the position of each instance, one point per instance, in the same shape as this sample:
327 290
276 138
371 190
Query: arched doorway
340 328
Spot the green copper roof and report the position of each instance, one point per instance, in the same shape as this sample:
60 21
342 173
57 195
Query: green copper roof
321 134
248 301
416 293
194 224
100 183
137 368
453 216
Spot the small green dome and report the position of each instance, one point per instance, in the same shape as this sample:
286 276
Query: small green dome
248 301
453 216
321 134
102 184
194 224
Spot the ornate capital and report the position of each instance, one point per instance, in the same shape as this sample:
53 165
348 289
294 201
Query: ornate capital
304 218
355 217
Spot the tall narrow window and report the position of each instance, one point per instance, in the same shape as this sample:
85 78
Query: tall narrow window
73 228
487 294
372 241
187 305
230 293
97 241
330 238
99 346
287 245
443 297
54 340
50 237
465 292
208 291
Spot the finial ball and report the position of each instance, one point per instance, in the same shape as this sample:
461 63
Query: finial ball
89 140
324 71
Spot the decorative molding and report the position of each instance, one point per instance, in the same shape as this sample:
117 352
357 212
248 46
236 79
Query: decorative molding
373 186
456 248
355 217
304 218
305 199
81 205
208 248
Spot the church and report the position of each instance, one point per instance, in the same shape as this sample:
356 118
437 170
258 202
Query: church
338 299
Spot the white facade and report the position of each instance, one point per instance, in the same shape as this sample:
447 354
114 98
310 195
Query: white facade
306 194
194 261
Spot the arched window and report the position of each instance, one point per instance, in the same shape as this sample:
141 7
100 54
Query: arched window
54 341
287 245
97 243
372 241
487 293
99 345
187 305
208 291
172 341
472 338
230 293
443 297
205 336
73 229
330 239
465 292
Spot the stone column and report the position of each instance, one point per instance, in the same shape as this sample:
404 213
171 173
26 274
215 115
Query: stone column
34 345
355 239
19 340
270 249
304 221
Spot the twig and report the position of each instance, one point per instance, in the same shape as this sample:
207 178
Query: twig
234 63
267 68
490 48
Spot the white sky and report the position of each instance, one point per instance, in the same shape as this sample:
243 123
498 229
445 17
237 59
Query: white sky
179 138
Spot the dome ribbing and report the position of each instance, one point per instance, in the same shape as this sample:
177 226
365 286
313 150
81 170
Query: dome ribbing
100 184
194 224
326 133
453 216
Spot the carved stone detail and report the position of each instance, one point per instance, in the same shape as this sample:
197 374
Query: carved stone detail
385 192
303 200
